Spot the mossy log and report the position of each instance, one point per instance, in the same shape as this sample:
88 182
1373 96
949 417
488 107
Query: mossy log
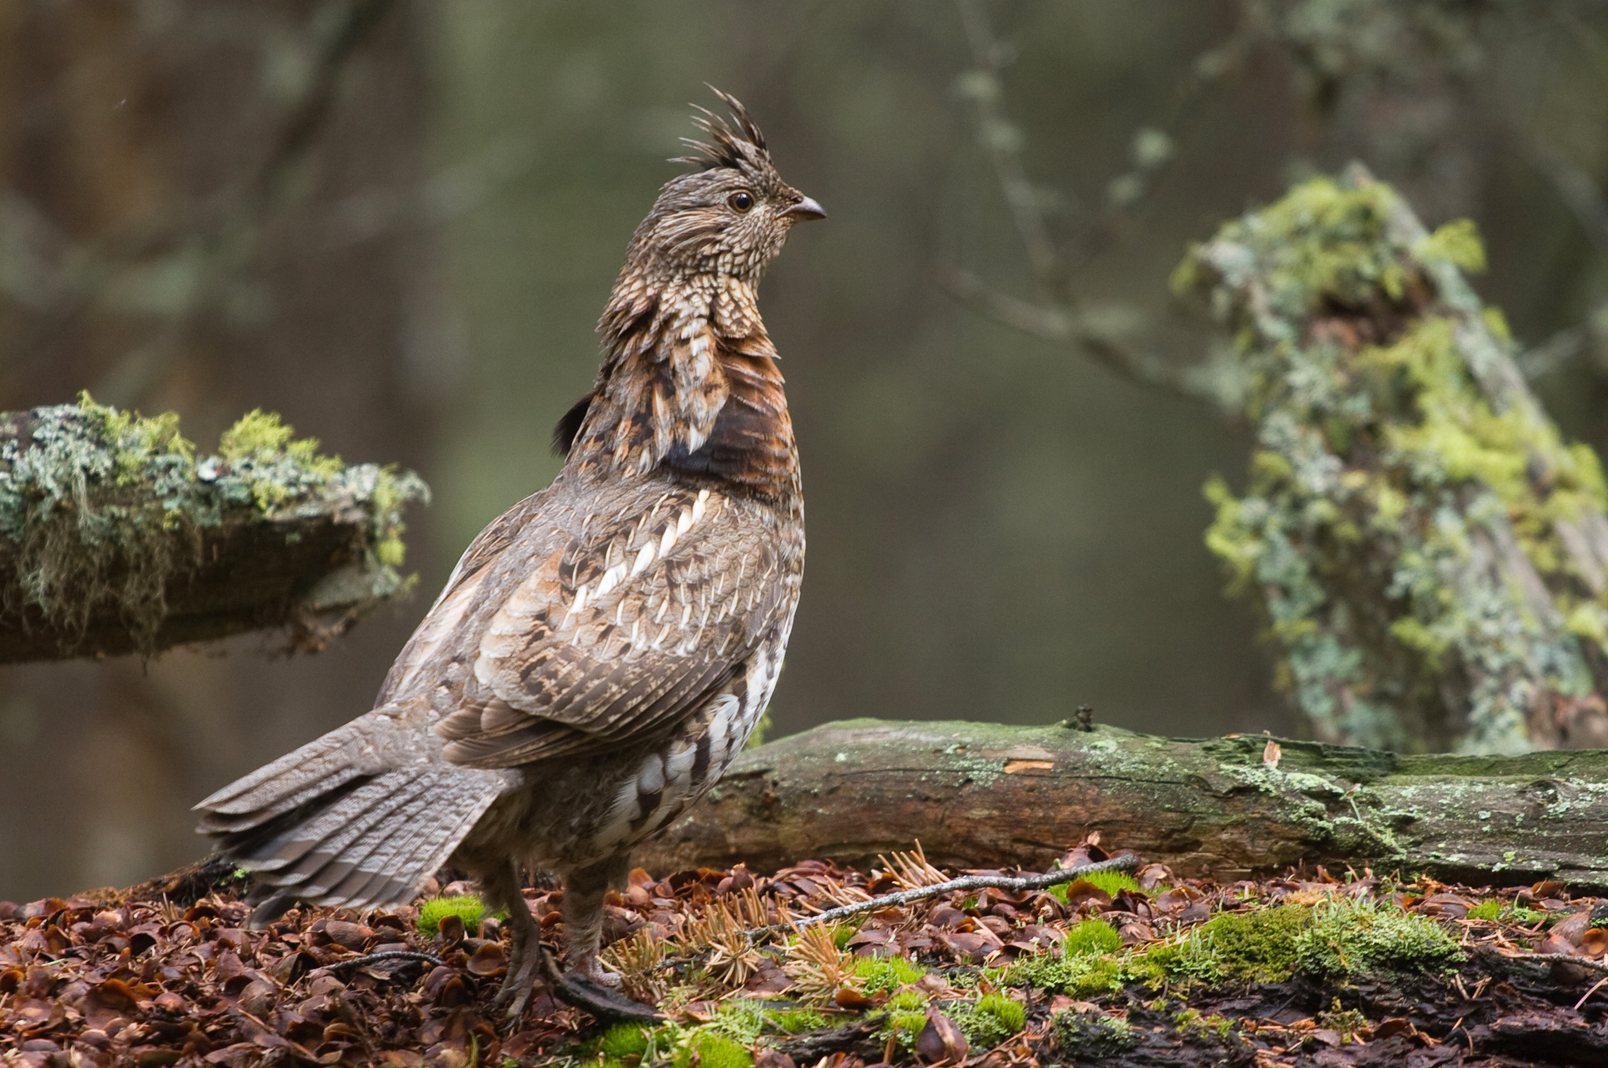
115 539
979 795
1429 554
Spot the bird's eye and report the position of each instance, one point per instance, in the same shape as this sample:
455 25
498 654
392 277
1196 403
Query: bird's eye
741 201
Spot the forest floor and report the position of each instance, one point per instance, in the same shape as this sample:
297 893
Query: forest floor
1311 968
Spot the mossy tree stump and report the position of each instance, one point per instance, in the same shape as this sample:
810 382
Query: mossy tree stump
115 538
1429 554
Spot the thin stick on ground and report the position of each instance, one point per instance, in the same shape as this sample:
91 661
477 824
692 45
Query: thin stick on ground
382 955
1121 862
1558 958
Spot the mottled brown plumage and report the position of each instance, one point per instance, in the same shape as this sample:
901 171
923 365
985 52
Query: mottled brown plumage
604 648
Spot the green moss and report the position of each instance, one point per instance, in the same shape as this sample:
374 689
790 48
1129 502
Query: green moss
1358 936
1092 1035
622 1041
468 908
1257 946
906 1015
1337 938
797 1021
907 1001
712 1051
1193 1021
988 1021
106 506
1385 469
742 1020
1457 242
887 973
1112 882
907 1023
1489 910
1091 936
1348 1023
1078 975
264 451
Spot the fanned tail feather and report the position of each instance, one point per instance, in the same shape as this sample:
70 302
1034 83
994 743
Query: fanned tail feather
318 826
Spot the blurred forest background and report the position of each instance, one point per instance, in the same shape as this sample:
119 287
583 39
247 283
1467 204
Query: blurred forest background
395 223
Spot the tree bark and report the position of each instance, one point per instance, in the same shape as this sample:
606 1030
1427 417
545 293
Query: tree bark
982 795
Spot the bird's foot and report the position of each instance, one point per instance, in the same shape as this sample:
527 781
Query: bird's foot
595 972
592 988
523 968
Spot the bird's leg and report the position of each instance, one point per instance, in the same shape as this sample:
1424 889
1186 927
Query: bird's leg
501 889
583 918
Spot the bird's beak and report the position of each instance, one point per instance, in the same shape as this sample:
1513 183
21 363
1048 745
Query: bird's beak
804 211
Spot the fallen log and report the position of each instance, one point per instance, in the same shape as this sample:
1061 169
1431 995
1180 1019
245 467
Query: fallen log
115 538
981 794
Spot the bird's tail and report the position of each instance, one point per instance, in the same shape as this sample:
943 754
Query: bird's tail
325 825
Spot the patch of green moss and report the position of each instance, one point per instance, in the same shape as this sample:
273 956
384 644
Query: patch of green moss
1092 1035
1458 243
1112 882
1358 936
1077 975
266 452
988 1021
887 973
1193 1021
1091 936
1258 946
906 1015
742 1020
712 1050
468 908
1489 910
797 1021
622 1041
1348 1023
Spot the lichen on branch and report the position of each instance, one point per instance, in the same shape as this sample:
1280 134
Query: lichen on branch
106 516
1427 551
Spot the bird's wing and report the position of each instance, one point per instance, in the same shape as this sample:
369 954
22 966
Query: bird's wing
459 594
637 619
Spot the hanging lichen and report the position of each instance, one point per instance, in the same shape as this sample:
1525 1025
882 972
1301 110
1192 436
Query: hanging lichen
104 507
1427 551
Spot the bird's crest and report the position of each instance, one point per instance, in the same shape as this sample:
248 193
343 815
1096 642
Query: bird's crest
727 146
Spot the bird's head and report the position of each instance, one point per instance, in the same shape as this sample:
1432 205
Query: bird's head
729 217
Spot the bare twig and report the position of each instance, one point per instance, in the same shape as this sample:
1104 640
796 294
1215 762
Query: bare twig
1005 150
1555 352
1121 862
376 957
1056 317
1064 326
1598 985
1577 191
1558 958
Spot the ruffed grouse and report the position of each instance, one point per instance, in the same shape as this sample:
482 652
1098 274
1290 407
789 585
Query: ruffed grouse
604 648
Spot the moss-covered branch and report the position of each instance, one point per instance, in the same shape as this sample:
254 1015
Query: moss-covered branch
1429 554
115 538
980 794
